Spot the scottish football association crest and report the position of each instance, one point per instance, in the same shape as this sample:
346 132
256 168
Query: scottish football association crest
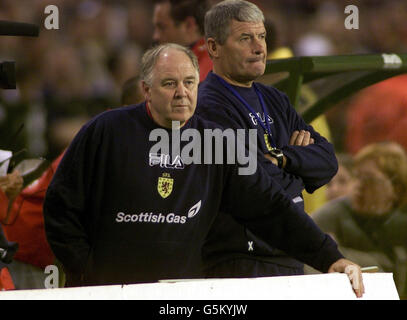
165 184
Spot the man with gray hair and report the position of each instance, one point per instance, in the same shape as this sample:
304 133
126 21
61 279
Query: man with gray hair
113 216
235 37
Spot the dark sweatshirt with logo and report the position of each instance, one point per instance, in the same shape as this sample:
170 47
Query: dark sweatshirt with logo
307 167
120 211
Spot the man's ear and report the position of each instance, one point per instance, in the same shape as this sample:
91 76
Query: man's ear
145 88
213 47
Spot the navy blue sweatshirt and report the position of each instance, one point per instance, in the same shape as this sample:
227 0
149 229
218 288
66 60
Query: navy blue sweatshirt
307 167
115 214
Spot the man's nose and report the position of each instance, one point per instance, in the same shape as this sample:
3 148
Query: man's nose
259 46
180 91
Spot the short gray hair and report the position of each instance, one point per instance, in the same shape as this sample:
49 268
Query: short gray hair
219 17
151 56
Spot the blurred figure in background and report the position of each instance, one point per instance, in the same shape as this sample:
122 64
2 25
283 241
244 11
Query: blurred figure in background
132 92
22 221
378 113
182 22
342 183
370 224
6 281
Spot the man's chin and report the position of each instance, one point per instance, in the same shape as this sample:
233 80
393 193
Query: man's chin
259 72
254 74
249 77
256 69
182 118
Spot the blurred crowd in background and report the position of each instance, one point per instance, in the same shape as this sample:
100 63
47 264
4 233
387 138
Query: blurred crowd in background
66 76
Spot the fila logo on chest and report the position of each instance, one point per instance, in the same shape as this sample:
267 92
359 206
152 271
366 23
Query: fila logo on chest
164 161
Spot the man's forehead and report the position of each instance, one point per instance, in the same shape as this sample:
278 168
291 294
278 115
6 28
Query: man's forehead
239 27
174 62
171 54
162 10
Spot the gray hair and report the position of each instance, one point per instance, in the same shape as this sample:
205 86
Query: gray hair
219 17
151 56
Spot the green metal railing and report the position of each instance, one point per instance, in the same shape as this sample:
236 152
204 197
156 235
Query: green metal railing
303 70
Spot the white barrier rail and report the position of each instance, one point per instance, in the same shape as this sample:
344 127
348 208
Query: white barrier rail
333 286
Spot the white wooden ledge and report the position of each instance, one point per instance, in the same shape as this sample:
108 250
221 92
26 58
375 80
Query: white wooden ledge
333 286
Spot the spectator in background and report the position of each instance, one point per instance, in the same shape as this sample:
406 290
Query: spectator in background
6 281
370 224
132 92
6 254
182 22
125 65
9 185
22 221
342 183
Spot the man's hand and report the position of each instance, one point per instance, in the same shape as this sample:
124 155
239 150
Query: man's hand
12 184
298 138
354 273
274 160
301 138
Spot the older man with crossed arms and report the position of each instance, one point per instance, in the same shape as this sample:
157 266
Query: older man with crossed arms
230 96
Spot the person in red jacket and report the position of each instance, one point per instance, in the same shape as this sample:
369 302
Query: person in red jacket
378 113
22 222
10 186
182 22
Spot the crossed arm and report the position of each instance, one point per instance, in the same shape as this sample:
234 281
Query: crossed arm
298 138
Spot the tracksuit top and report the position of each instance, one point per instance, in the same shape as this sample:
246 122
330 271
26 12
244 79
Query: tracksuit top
204 61
115 212
307 167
